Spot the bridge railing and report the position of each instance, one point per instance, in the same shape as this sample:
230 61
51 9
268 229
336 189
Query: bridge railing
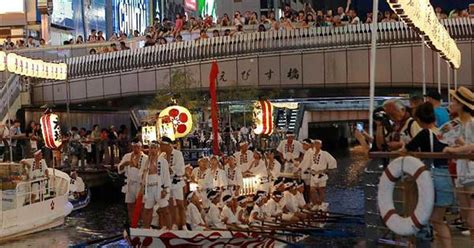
255 42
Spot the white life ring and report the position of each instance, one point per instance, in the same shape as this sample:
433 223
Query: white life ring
413 223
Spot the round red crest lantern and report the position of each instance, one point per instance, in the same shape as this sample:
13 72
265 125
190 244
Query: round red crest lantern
180 118
263 117
51 130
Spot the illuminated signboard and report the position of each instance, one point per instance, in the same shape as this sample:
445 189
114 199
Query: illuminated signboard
63 13
9 6
131 15
420 15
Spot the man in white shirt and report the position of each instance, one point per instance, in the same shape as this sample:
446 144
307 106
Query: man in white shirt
304 170
258 213
213 216
234 176
76 185
241 213
219 177
278 208
258 168
131 165
157 186
244 132
290 152
321 161
193 214
176 164
291 202
273 167
244 156
37 169
227 215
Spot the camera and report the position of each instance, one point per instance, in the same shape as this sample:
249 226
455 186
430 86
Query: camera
381 116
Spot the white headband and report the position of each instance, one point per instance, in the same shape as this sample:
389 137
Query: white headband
37 152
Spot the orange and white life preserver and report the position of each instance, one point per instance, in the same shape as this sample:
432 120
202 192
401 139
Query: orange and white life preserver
421 215
51 131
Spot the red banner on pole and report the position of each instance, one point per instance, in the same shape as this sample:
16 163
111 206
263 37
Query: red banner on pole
214 110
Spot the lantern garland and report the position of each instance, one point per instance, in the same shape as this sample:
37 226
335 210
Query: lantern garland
175 122
51 130
32 67
263 117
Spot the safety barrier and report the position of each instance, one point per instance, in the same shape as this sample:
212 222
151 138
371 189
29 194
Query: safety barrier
376 233
255 42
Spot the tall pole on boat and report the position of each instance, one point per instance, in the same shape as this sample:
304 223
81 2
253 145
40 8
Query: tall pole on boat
439 74
8 116
423 63
448 73
373 59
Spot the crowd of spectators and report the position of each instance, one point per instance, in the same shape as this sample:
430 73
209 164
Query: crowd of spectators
167 30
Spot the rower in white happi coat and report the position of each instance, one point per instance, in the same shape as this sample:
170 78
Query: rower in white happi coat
228 216
234 177
273 167
258 213
241 213
300 187
321 162
259 169
218 175
37 169
193 214
244 156
291 201
130 165
213 216
276 207
290 152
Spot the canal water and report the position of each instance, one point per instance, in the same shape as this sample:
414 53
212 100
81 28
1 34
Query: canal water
106 214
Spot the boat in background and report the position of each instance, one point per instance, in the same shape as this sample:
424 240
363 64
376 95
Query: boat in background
82 201
19 215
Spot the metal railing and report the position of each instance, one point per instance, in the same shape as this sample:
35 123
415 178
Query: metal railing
9 92
255 42
376 232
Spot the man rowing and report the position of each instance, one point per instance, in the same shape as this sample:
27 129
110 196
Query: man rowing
213 216
242 214
193 213
229 211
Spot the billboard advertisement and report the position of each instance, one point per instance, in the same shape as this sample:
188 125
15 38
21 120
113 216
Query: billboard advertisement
207 7
129 15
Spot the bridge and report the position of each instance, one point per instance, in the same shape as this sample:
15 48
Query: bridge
312 62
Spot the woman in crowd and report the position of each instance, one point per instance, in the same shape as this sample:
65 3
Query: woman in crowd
426 141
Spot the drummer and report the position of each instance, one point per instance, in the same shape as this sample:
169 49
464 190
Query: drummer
130 165
258 168
37 168
291 152
234 176
244 156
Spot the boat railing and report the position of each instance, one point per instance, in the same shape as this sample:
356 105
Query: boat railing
376 233
253 43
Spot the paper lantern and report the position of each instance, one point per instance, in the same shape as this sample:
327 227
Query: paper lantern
148 134
3 61
165 129
180 118
51 130
263 117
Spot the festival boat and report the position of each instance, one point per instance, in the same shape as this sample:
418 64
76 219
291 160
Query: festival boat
24 213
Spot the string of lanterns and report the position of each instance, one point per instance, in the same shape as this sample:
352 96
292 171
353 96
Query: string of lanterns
32 67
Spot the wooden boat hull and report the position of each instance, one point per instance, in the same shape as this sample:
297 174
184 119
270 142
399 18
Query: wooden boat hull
157 238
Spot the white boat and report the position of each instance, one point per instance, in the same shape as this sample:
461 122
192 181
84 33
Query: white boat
18 215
